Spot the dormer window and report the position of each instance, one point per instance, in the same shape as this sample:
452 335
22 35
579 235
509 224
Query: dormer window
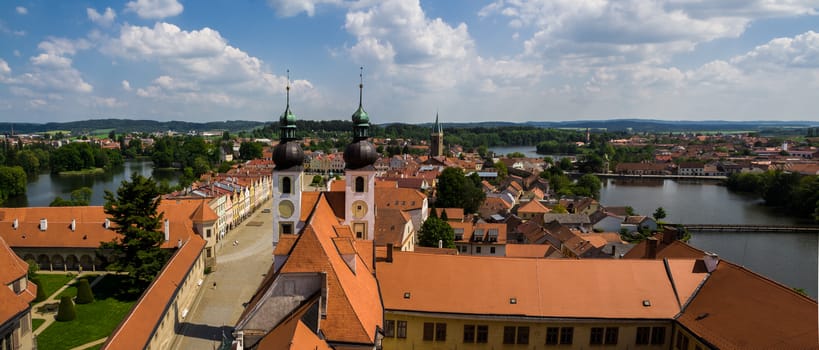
359 184
459 234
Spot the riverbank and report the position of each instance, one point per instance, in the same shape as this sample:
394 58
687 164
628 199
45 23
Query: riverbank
671 177
93 171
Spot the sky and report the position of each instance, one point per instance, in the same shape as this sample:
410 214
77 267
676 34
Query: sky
466 60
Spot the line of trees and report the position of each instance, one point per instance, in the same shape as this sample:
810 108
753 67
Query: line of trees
82 155
798 194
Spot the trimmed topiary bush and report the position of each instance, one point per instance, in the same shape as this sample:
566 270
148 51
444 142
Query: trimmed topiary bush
84 294
66 312
40 291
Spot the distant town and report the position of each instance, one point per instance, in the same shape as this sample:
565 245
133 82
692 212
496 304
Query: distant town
347 235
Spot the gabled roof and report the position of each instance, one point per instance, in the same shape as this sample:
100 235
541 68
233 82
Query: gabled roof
739 309
389 228
293 334
399 198
13 268
483 286
533 206
204 213
529 250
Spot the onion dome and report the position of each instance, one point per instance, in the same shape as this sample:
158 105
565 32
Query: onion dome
360 153
288 152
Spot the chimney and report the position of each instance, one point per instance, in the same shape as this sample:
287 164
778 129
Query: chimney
651 248
440 243
107 223
167 230
711 261
389 252
73 225
15 224
43 224
669 235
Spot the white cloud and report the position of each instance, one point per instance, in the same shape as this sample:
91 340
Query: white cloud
289 8
104 19
21 10
4 67
51 61
52 71
801 51
155 9
126 85
63 46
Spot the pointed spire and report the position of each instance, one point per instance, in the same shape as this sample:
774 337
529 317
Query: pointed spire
361 121
287 121
360 86
288 90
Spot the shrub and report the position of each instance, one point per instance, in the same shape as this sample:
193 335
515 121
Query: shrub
40 291
66 311
84 295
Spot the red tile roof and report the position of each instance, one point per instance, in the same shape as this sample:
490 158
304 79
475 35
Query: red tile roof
13 268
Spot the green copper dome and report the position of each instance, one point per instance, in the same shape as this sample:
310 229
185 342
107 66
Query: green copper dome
360 116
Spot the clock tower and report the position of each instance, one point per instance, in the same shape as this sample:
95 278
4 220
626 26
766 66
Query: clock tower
287 176
359 175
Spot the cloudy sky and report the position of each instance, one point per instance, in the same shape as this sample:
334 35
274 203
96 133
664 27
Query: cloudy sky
469 60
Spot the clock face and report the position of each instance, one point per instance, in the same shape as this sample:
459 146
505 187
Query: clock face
286 209
359 209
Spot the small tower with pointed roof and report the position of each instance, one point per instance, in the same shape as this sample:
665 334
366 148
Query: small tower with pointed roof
359 174
436 142
287 175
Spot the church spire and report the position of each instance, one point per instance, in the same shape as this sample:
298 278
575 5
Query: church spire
361 121
287 121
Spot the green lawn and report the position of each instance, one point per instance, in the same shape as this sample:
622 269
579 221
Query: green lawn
71 291
94 321
51 282
36 322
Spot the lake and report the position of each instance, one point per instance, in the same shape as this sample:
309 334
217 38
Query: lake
42 190
789 258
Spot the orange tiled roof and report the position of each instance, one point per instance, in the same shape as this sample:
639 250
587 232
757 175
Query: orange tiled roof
533 206
204 213
738 309
137 328
481 285
293 334
13 268
529 250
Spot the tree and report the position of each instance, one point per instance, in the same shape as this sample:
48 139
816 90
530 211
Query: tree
503 171
515 155
458 191
84 294
589 185
659 214
435 229
630 211
81 196
565 164
250 150
559 209
133 212
66 312
12 182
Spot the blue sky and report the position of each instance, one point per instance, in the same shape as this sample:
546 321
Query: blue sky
469 60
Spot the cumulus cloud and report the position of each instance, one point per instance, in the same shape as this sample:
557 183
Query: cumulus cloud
21 10
289 8
104 19
155 9
51 71
801 51
126 85
4 68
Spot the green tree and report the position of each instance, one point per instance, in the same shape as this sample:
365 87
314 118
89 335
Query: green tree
515 155
435 229
630 211
12 182
588 185
81 196
136 249
458 191
503 171
565 164
66 311
28 160
84 294
659 214
250 150
559 209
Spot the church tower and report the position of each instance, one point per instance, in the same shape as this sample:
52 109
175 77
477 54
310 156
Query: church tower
436 143
359 174
287 175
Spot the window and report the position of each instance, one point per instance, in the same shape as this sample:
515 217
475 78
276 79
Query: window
612 334
402 329
523 335
389 328
643 334
682 342
491 250
207 233
287 228
552 334
359 184
483 334
508 335
477 250
286 187
566 335
429 330
469 333
658 336
359 230
440 332
596 337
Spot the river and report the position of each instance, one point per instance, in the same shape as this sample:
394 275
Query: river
43 189
789 258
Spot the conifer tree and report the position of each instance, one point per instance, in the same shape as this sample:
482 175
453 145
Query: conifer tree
84 294
66 311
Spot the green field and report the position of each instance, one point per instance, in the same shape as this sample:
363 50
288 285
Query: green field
94 321
36 322
51 282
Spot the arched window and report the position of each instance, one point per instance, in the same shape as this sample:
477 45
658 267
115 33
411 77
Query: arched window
286 185
359 184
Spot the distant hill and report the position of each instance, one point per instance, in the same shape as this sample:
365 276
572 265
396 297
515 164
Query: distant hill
234 126
127 126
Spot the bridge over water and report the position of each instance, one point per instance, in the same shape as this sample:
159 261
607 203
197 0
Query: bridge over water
751 228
